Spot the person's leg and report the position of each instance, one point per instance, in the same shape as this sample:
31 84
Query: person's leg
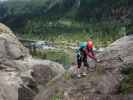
85 62
79 62
86 66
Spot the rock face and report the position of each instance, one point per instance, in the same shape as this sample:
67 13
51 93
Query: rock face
42 73
112 59
21 76
5 29
11 50
103 84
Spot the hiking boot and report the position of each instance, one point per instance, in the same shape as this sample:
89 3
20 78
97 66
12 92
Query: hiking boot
78 75
84 74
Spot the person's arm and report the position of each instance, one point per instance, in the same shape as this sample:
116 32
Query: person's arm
92 55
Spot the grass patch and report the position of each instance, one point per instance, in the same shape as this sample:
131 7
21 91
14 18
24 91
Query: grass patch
59 56
67 76
102 33
56 98
127 83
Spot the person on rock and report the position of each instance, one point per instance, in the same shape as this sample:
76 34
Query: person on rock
81 57
84 52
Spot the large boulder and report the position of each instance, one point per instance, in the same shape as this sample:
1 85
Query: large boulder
45 70
112 59
11 48
22 76
102 84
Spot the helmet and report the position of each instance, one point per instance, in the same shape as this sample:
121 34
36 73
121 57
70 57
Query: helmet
90 44
83 45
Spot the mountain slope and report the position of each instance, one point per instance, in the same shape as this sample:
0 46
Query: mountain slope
91 8
78 12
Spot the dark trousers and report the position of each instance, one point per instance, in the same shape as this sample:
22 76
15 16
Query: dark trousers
82 59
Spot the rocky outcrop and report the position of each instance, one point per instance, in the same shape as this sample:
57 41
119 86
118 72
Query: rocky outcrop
112 59
102 84
44 71
11 50
22 77
5 29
